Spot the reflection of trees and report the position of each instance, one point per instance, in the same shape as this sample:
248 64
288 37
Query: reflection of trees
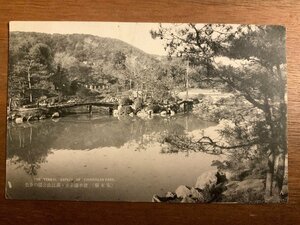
147 132
30 143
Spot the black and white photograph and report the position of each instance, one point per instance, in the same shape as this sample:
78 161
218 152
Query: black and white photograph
147 112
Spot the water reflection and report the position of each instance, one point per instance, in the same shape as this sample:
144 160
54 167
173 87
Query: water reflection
110 141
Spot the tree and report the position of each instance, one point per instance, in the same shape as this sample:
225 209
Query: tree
33 68
265 48
60 80
119 60
255 73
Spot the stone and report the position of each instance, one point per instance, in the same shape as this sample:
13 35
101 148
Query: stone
150 112
156 198
138 104
221 177
196 194
142 114
188 200
284 190
42 117
154 108
115 113
208 178
30 118
19 120
125 110
163 113
171 195
183 191
55 115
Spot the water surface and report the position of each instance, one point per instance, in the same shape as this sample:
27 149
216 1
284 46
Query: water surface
85 157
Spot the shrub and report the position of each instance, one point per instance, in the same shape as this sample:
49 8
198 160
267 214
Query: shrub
125 101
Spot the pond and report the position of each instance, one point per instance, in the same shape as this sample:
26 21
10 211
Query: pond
84 157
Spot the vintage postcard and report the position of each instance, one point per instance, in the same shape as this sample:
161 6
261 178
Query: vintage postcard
147 112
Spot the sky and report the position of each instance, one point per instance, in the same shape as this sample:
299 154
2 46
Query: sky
136 34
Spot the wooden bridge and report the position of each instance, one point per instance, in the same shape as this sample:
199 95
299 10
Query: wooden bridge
41 111
90 105
69 105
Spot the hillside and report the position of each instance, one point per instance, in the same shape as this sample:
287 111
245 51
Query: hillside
72 49
63 64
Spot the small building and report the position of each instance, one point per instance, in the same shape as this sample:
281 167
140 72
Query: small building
97 86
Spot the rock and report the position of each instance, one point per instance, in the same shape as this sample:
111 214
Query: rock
142 114
171 195
125 110
188 200
150 112
172 113
42 117
115 113
284 191
229 175
170 198
221 177
19 120
154 108
55 119
163 113
196 194
30 118
232 184
55 115
156 198
137 104
183 191
208 178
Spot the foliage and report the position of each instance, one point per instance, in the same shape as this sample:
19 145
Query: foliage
64 64
247 196
246 61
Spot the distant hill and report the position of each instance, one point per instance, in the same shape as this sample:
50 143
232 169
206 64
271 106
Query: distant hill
85 65
72 49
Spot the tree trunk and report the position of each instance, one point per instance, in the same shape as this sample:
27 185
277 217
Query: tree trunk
9 104
29 82
282 151
276 160
270 175
279 174
187 81
272 149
